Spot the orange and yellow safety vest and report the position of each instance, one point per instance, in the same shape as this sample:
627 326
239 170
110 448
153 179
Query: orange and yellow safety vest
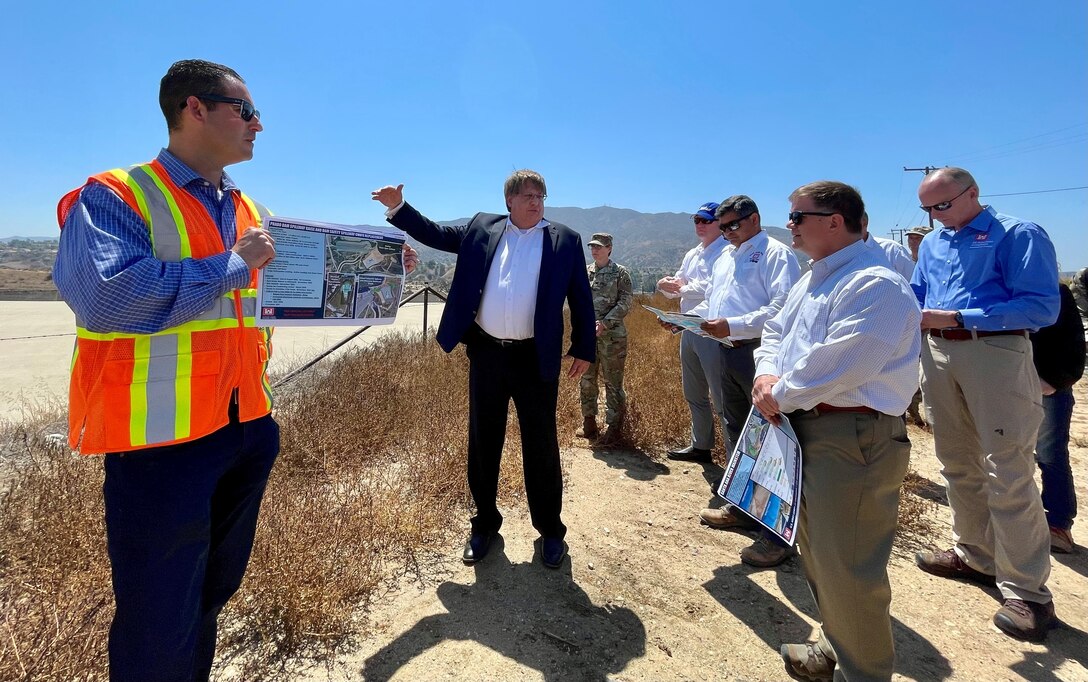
135 391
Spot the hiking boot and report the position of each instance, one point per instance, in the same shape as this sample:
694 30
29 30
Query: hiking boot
1061 540
947 564
807 662
764 553
589 428
725 518
611 436
1025 620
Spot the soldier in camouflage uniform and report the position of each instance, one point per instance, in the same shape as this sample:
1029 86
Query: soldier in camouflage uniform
611 286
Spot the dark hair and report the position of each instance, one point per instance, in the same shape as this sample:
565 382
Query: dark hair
740 203
839 197
191 77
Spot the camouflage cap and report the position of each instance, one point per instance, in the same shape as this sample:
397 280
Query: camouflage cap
920 230
601 239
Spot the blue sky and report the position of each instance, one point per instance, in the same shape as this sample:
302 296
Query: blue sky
653 106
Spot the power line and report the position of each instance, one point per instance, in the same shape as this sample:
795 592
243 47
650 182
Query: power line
985 150
1040 191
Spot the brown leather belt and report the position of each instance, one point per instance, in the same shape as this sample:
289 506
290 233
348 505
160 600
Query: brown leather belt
824 408
966 334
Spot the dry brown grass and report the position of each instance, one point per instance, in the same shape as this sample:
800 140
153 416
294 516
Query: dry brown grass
369 486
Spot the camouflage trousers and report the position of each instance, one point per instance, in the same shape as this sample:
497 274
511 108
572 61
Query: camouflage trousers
611 357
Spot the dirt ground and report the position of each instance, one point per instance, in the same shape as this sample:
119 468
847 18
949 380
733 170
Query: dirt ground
650 594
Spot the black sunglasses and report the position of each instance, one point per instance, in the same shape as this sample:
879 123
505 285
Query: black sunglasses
798 217
245 108
734 225
702 221
945 205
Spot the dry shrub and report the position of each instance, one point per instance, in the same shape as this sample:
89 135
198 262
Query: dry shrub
55 597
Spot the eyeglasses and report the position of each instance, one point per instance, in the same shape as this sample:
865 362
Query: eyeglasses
245 108
798 217
945 205
734 225
529 196
702 221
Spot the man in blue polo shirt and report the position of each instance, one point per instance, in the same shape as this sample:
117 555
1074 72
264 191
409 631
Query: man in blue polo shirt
984 282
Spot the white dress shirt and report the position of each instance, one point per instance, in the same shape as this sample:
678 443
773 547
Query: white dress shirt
694 272
847 336
508 306
749 285
898 256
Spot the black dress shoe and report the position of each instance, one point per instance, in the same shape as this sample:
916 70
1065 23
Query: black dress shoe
476 547
690 454
552 552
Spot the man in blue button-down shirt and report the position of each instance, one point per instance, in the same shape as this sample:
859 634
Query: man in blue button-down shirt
984 282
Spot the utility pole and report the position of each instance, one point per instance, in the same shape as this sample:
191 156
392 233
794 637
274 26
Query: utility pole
926 170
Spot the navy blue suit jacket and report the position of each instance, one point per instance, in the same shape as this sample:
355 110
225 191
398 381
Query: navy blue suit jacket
562 277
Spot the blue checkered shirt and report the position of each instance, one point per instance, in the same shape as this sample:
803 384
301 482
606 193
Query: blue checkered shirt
106 268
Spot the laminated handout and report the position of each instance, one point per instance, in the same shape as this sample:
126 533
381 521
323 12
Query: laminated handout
330 275
763 476
686 322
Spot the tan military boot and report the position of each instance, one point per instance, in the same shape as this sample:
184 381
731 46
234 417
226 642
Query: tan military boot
589 428
612 434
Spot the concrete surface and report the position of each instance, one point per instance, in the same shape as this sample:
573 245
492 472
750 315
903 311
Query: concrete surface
36 339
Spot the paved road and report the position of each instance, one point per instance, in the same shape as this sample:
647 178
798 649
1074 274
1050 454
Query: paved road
36 340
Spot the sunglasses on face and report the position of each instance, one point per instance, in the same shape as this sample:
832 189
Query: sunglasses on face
245 108
798 217
702 221
733 225
944 205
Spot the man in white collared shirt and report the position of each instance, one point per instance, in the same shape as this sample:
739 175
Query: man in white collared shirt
514 273
841 361
750 282
899 258
700 364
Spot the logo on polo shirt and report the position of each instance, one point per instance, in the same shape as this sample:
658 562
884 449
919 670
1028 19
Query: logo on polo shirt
982 236
754 258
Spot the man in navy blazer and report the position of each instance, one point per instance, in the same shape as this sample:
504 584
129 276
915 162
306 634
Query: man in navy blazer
513 274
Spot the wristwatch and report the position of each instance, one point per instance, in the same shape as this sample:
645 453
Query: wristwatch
959 319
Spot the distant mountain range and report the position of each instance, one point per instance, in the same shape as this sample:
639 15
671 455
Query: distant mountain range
644 241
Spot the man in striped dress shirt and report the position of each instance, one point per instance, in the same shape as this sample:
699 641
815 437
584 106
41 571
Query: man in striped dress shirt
841 361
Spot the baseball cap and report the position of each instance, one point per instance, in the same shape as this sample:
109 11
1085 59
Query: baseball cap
921 230
601 239
706 211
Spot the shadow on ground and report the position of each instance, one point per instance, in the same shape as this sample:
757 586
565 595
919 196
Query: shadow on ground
637 464
777 622
535 616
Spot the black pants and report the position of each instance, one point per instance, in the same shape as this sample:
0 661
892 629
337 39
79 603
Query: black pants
180 521
498 373
738 375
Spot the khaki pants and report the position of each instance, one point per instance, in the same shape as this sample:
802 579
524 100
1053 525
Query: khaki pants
985 406
852 468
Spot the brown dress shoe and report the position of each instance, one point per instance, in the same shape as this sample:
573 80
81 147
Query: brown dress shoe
947 564
1025 620
807 662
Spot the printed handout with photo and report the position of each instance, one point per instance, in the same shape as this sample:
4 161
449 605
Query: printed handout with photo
326 274
763 476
